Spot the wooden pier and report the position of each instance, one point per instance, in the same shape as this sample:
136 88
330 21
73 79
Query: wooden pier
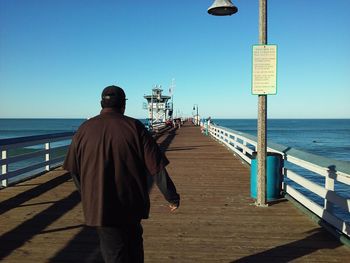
41 219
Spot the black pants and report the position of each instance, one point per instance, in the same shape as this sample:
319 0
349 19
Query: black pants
122 244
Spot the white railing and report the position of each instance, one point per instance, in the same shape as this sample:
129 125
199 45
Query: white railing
47 150
332 171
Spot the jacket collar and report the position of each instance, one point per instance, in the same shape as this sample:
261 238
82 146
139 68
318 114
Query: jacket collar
110 110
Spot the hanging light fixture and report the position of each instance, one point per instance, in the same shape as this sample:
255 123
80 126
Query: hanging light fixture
222 8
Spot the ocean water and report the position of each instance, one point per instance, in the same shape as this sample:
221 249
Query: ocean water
13 128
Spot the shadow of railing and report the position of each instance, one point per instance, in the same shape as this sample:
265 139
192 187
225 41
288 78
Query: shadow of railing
176 149
318 239
164 145
25 231
25 196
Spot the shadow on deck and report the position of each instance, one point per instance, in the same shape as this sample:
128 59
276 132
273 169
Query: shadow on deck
41 219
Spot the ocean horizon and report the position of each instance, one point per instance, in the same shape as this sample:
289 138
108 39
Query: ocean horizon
326 137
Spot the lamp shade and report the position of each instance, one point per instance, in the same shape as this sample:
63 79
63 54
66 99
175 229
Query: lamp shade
222 8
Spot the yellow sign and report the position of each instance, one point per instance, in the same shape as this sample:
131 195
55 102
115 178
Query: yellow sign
264 76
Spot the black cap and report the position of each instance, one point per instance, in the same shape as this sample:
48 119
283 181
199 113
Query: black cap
113 96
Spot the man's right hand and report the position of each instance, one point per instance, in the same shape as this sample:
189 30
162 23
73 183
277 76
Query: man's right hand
173 207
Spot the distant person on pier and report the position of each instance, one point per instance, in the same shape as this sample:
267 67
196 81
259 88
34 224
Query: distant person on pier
178 122
111 159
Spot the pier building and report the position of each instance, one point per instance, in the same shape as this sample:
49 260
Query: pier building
158 108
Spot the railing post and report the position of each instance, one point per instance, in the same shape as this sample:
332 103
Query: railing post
329 185
244 149
4 169
47 155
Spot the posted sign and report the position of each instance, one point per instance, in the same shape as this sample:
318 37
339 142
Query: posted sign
264 74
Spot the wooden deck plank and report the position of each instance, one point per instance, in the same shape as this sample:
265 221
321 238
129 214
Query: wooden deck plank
41 219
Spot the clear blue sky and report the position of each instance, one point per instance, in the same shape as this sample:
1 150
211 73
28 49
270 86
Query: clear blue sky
57 56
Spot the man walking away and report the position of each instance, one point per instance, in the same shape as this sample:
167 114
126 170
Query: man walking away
110 159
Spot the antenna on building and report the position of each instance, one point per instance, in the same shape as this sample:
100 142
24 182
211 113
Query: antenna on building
171 94
172 87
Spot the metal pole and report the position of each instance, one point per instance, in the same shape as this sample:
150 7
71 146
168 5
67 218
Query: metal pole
151 110
262 116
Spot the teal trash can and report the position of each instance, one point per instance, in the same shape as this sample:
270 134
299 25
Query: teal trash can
274 165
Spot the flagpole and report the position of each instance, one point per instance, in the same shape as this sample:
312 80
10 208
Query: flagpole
172 95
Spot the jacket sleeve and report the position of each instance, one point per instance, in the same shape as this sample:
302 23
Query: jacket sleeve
76 180
167 187
71 164
154 159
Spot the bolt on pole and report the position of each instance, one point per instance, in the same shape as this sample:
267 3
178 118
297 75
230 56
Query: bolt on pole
262 116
